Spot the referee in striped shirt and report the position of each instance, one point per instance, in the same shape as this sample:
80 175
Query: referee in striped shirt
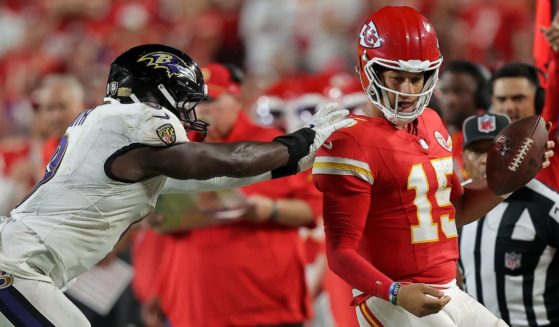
509 257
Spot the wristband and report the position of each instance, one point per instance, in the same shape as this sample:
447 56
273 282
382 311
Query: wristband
393 292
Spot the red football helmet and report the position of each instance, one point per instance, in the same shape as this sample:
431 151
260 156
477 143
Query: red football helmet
271 108
397 38
346 90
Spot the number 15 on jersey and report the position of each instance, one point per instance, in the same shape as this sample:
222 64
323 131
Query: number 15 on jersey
427 229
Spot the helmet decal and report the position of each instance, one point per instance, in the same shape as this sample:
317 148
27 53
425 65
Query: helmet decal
113 86
171 63
369 37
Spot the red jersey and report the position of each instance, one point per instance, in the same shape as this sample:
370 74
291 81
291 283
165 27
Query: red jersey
12 151
150 252
387 203
16 151
48 149
550 175
457 149
541 50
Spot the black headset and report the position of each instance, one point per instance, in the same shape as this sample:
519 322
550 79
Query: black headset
530 72
482 75
539 99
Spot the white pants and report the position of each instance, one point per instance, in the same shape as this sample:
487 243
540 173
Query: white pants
461 311
32 303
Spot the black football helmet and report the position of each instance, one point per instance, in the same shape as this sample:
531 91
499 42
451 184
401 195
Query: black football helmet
159 74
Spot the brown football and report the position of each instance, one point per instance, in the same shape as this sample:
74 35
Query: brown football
516 155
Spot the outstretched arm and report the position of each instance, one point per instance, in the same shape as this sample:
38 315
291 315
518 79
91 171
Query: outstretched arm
284 156
202 161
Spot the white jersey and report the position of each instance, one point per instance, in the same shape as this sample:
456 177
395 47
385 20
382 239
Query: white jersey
78 211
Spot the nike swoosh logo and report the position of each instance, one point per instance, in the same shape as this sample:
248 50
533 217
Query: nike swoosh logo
328 145
163 117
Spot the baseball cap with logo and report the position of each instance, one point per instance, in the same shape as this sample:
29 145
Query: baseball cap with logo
483 127
222 79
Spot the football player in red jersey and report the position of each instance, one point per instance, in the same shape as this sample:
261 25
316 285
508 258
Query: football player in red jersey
391 198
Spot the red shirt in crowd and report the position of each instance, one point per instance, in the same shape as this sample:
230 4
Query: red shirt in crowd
550 175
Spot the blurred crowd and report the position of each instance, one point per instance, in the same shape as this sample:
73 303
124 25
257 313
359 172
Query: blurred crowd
295 54
81 38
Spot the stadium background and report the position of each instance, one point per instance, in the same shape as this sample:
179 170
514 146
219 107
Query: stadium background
80 38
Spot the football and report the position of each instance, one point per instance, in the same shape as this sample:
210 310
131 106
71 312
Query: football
516 155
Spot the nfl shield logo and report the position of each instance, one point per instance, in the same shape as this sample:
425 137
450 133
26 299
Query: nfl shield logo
486 124
513 260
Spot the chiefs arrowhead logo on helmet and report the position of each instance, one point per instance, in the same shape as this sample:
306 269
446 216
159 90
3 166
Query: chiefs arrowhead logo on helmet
173 64
369 37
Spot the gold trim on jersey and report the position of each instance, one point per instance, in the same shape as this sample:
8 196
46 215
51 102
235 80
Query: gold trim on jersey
369 316
343 166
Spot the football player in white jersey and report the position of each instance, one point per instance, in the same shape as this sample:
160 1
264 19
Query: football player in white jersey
109 169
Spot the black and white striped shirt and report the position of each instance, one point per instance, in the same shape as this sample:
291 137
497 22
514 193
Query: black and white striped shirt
510 260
